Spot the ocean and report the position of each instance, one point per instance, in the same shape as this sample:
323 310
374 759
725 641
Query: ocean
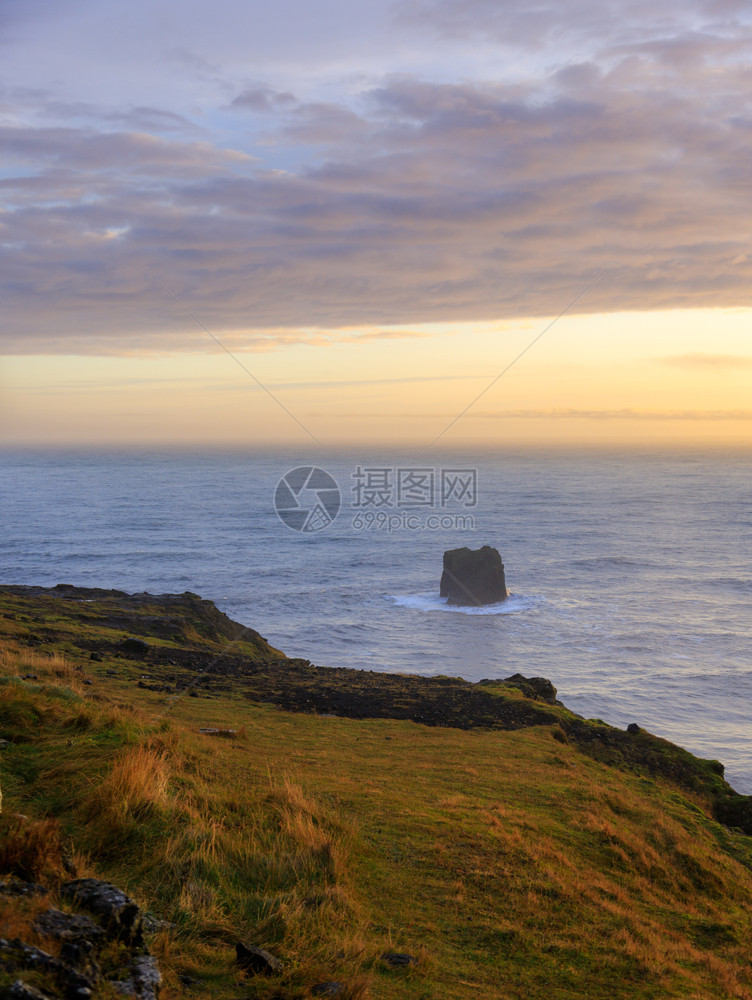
630 574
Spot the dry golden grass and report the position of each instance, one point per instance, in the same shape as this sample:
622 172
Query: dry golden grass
17 916
135 788
51 668
30 849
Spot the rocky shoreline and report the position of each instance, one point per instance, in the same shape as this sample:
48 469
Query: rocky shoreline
179 645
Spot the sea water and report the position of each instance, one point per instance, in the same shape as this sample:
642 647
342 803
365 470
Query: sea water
630 574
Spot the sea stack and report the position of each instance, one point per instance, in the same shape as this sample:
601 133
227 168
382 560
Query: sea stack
473 577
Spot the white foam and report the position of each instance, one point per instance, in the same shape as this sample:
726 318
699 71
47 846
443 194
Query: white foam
514 604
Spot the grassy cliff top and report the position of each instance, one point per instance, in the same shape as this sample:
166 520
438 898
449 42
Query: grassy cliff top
511 847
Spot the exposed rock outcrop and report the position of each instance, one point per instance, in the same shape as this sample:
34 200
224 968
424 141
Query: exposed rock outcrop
537 688
77 973
473 577
118 913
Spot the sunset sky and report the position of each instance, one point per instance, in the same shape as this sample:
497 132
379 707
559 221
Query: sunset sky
261 223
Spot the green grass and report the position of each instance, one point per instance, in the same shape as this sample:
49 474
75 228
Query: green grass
509 862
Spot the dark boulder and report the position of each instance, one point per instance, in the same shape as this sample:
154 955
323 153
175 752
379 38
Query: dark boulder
86 959
118 913
17 955
473 577
133 647
537 688
68 926
256 961
80 939
398 959
734 810
144 980
17 887
19 990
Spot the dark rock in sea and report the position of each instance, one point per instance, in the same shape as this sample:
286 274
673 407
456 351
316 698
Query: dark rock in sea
397 958
119 914
473 577
537 688
256 961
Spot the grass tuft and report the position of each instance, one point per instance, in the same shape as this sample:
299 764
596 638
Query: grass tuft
134 790
31 849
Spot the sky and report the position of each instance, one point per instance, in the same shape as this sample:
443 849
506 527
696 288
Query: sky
482 222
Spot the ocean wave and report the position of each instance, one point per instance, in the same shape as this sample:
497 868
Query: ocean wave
597 562
514 604
731 583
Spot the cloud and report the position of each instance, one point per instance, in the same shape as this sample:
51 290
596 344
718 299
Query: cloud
90 152
397 199
623 414
565 414
175 336
707 362
366 335
598 25
263 99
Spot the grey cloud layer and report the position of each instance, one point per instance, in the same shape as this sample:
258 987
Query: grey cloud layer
600 25
413 201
